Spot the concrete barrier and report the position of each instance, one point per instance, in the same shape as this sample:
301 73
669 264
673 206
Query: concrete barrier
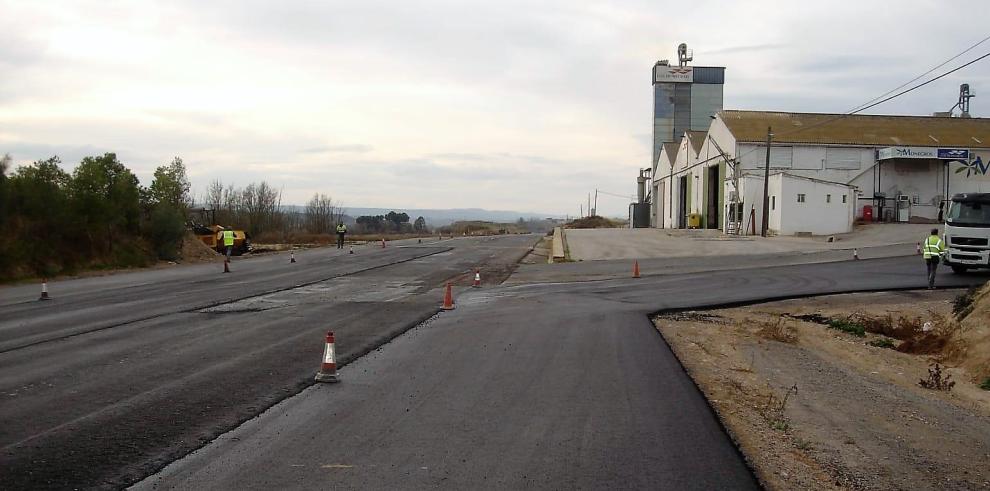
557 248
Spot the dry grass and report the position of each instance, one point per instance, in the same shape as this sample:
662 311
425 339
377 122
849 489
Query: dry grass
777 328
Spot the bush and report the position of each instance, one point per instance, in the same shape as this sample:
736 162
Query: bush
167 231
986 384
962 305
848 326
882 343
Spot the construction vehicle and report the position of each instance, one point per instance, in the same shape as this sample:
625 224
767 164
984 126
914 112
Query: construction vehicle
213 238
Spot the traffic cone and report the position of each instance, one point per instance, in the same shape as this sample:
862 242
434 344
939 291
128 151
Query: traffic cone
917 249
226 266
383 242
352 250
292 256
477 279
855 254
448 299
635 269
44 290
328 369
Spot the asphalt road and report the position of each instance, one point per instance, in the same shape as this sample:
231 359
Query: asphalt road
121 374
556 385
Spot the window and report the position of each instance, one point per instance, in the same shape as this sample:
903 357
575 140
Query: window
843 198
773 202
828 198
800 198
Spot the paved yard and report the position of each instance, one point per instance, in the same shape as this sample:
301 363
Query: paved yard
598 244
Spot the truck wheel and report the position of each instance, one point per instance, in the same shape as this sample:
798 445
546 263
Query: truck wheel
957 269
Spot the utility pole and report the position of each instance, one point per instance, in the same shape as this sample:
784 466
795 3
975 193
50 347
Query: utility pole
766 186
581 207
589 204
594 211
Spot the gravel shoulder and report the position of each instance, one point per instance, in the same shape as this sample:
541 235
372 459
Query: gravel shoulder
815 408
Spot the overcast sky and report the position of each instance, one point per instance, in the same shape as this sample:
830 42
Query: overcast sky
506 105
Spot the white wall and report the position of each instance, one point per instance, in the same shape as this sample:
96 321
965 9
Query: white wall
815 215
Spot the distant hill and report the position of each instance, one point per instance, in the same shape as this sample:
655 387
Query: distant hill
439 218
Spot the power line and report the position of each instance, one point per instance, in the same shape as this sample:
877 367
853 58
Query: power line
905 84
956 69
874 104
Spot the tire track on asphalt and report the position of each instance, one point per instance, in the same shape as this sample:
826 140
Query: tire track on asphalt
217 303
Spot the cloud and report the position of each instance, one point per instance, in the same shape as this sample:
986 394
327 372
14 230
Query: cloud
436 103
351 148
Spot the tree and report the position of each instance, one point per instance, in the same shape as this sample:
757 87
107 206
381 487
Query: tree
171 185
322 214
420 225
370 223
106 194
397 219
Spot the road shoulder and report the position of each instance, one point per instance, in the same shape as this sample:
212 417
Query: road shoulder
812 407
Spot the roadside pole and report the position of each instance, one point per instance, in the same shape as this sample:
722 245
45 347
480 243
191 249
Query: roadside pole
766 187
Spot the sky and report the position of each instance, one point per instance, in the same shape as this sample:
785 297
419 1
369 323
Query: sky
505 105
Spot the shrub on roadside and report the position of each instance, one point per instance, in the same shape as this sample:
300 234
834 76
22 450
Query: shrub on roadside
986 384
167 230
846 325
777 329
882 343
962 305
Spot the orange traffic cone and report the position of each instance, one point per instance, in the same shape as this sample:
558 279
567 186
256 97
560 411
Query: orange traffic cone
383 242
855 254
352 250
292 256
917 249
448 299
44 290
226 266
636 269
328 369
477 279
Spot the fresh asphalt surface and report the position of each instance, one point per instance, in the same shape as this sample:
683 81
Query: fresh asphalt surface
564 385
121 374
550 386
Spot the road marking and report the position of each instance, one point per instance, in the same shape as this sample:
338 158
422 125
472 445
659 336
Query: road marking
336 466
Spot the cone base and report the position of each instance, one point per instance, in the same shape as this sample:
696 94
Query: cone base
44 296
327 377
447 308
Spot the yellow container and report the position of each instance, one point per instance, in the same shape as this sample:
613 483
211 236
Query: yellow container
694 220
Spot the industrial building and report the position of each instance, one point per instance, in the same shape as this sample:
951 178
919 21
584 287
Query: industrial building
825 171
684 99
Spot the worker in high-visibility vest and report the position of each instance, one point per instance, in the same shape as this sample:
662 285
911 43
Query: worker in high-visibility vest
228 242
933 249
341 231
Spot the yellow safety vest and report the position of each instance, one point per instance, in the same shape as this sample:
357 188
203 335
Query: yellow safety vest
341 229
228 238
933 247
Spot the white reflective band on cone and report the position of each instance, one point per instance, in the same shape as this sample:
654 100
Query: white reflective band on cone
328 354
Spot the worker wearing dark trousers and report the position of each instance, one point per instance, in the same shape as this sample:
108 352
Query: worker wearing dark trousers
341 231
228 242
933 250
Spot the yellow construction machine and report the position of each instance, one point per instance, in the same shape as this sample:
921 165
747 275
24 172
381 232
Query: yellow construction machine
213 237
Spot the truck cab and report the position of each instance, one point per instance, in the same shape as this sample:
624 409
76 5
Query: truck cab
967 232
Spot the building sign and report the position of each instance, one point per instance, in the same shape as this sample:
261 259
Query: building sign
664 73
978 168
907 153
960 154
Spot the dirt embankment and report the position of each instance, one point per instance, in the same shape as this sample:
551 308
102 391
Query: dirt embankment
830 393
969 347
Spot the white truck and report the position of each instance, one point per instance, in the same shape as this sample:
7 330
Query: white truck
967 232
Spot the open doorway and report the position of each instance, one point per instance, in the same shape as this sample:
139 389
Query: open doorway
712 213
682 200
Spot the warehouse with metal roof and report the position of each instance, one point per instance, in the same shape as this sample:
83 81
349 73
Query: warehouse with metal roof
825 171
